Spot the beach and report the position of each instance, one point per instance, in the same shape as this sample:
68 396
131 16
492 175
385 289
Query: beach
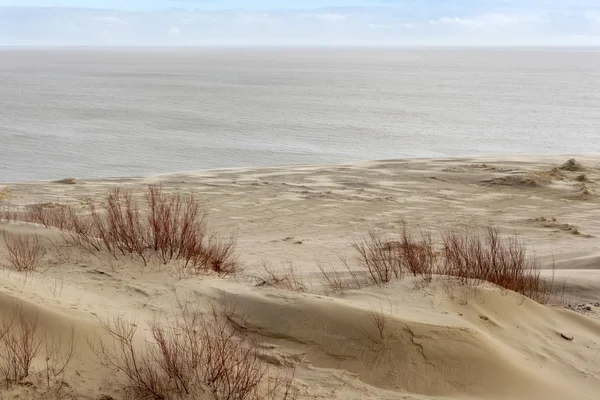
442 340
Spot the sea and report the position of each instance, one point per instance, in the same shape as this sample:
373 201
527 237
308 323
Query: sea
112 112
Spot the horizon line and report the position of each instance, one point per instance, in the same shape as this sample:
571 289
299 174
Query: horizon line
328 46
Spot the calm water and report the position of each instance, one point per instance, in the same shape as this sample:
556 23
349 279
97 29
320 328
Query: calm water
101 112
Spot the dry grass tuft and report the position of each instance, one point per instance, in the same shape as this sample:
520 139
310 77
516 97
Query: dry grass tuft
286 278
379 318
338 280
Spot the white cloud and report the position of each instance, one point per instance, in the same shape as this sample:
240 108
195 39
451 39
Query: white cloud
331 17
593 16
187 20
251 18
114 20
380 26
496 19
327 17
515 23
457 21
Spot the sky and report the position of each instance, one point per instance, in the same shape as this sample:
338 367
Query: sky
303 23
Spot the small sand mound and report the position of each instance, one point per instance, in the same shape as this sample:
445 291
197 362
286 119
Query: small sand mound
582 178
584 192
516 181
554 173
5 194
67 181
572 165
531 179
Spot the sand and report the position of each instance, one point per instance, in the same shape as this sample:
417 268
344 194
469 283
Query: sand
442 341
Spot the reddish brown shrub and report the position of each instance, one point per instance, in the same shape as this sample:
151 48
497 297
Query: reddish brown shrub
476 255
177 224
417 254
472 255
8 215
186 357
49 215
25 252
83 232
23 343
121 226
170 227
19 345
381 260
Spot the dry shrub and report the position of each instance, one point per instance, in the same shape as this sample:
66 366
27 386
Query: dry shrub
19 346
477 255
170 228
8 215
286 278
187 357
49 215
380 260
177 225
25 252
82 232
121 226
214 254
385 260
379 318
57 360
60 253
417 254
167 227
332 278
471 255
23 342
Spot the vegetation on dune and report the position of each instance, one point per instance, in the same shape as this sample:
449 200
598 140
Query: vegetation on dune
166 227
194 354
470 256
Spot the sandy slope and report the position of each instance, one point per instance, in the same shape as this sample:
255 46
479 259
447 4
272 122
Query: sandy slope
438 342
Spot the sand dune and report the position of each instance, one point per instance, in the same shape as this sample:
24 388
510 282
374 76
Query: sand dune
441 340
495 346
